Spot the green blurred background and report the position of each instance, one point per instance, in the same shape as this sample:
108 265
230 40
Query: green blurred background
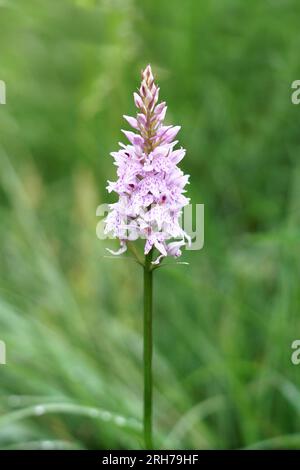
71 318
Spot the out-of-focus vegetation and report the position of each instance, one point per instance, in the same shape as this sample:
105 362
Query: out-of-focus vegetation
71 319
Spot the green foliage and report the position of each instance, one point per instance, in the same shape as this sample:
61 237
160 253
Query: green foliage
71 318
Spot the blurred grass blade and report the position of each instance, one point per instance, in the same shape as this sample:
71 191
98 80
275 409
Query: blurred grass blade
105 416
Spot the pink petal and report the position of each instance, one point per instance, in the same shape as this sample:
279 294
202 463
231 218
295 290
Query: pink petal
121 250
131 121
154 98
158 109
177 155
147 74
158 259
171 133
138 101
133 138
161 116
173 248
148 246
160 247
141 119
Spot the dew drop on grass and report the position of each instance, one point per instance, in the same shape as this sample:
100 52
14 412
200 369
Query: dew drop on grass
106 415
47 445
120 421
39 410
94 413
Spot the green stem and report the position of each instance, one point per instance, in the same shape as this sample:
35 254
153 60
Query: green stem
148 293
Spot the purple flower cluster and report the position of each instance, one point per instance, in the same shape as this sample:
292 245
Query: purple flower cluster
150 185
